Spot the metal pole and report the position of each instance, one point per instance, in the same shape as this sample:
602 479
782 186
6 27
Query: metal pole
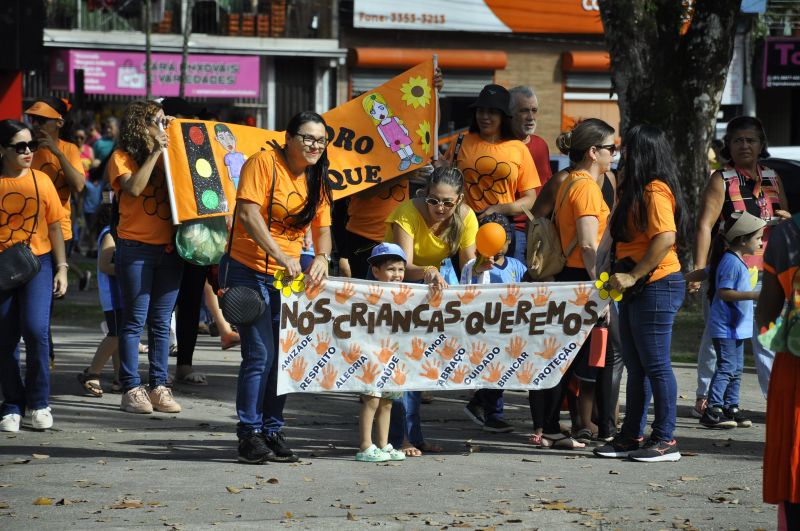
147 51
187 31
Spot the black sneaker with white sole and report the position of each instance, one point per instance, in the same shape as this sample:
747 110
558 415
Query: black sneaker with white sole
495 425
713 417
253 449
620 446
475 413
735 414
282 453
654 451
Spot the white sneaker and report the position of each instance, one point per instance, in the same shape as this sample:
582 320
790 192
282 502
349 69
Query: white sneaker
10 422
41 419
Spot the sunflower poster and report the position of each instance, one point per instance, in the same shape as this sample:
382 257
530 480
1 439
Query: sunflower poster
361 336
381 134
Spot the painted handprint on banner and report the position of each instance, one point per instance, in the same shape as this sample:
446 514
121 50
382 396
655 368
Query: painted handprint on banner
289 341
312 290
468 295
550 348
369 372
495 372
402 295
431 368
434 297
479 350
399 375
345 293
459 374
512 295
525 375
515 346
374 295
323 342
581 295
353 354
329 375
298 369
449 349
541 296
388 349
417 349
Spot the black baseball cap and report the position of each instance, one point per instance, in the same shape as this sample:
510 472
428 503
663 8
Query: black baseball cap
494 97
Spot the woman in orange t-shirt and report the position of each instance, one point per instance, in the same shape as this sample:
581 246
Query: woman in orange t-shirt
650 216
25 310
282 191
148 267
580 215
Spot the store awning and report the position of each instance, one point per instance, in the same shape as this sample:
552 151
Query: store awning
402 58
585 61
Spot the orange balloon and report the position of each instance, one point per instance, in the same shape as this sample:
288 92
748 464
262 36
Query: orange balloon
490 239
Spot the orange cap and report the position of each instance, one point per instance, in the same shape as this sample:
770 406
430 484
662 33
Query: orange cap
40 108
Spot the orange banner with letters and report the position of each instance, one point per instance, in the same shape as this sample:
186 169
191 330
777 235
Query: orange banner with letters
381 134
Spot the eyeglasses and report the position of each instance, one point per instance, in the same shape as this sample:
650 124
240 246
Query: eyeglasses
36 119
22 147
432 201
309 140
612 148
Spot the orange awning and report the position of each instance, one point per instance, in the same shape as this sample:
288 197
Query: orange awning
586 62
408 57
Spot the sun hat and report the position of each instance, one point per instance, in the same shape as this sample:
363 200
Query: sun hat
493 97
44 110
386 249
746 223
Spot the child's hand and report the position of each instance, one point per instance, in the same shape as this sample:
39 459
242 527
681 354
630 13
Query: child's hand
482 264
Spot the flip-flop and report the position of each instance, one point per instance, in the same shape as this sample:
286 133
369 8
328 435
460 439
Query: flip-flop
193 378
91 384
230 341
562 442
537 440
429 447
411 451
584 435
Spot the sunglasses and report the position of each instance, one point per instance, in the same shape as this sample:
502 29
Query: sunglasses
432 201
40 120
22 147
612 148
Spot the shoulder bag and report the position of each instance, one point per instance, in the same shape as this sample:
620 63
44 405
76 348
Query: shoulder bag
18 264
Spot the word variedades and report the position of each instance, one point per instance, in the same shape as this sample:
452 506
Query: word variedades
523 318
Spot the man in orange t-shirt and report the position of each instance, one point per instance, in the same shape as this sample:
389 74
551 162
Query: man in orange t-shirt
61 161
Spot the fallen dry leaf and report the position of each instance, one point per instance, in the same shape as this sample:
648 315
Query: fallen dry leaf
43 501
273 481
288 514
274 502
4 505
128 504
40 456
351 516
689 478
233 490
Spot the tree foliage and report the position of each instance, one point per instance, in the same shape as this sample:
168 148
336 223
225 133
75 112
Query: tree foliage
669 61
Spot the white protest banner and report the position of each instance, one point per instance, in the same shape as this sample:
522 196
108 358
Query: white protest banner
358 336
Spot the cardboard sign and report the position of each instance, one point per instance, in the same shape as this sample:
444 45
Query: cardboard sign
381 134
360 336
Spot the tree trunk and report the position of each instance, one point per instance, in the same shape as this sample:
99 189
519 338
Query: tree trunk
672 76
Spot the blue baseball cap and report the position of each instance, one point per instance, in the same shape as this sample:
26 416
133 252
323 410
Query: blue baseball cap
387 249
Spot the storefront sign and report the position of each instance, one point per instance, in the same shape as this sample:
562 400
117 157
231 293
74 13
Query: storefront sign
781 62
361 336
485 16
207 76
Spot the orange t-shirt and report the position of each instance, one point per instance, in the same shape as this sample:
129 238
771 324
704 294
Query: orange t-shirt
291 191
583 199
660 218
146 218
369 209
44 160
18 211
494 173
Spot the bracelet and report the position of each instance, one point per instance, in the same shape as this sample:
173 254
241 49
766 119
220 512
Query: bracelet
62 264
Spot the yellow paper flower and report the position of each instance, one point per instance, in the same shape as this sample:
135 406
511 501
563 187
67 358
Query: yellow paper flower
416 93
294 285
605 290
424 134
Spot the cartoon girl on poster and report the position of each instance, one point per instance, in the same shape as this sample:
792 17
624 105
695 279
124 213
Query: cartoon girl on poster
391 129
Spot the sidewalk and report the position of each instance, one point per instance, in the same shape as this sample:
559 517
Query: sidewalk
103 468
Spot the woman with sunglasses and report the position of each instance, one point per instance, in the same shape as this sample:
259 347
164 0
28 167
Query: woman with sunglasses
580 215
148 267
429 228
499 174
649 219
282 192
30 211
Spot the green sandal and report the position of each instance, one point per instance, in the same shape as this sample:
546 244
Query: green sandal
394 455
372 455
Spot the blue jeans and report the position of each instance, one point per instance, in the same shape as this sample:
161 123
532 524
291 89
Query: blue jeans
724 389
520 245
258 406
25 312
405 421
706 356
149 278
491 400
646 331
